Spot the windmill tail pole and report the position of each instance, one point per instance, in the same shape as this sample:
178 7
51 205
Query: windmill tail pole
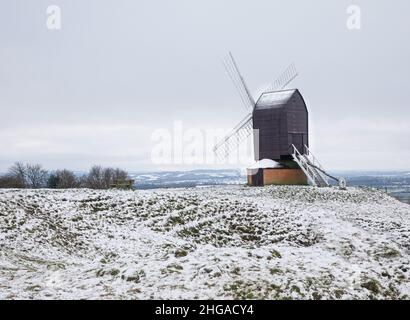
324 172
341 181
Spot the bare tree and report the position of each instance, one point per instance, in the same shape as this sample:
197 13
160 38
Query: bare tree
114 177
66 179
18 174
36 176
9 181
95 178
104 178
83 181
108 176
120 175
63 179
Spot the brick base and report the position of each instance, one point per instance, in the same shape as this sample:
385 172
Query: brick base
277 176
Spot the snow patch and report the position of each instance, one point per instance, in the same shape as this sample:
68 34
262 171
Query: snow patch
265 164
221 242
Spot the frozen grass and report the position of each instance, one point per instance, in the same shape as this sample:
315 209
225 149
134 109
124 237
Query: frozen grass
209 243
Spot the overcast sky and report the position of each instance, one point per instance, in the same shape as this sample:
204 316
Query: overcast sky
96 90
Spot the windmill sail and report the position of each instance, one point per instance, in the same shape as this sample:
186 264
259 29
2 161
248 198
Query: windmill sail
284 79
234 138
233 71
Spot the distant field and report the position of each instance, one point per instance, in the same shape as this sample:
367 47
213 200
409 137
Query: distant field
396 183
402 196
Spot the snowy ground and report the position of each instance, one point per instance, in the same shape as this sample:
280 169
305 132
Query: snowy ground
208 243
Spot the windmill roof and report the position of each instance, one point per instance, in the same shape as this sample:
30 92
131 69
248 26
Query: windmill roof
274 99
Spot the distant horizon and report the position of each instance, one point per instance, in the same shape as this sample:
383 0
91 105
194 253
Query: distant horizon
225 169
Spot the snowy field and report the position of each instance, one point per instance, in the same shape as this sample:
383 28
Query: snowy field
207 243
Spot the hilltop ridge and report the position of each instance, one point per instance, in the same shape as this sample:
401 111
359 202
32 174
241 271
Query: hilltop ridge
276 242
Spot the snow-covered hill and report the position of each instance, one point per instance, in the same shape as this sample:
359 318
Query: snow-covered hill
211 242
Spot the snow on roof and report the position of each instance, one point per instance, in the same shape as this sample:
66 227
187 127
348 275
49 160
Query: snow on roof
276 98
265 163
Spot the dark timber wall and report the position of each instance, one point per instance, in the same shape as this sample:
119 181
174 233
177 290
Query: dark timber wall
282 120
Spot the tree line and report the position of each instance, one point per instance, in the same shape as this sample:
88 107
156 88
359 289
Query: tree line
34 176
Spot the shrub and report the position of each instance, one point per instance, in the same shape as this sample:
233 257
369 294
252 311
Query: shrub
63 179
104 178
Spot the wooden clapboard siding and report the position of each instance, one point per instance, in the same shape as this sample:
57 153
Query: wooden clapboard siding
280 119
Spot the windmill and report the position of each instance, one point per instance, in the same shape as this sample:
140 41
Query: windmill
278 120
